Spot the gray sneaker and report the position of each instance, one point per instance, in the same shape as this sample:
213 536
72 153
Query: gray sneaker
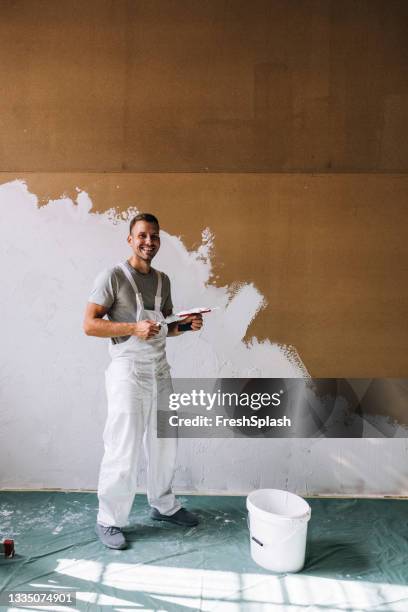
111 536
182 517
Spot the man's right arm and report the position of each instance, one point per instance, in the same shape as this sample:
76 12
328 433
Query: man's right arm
95 325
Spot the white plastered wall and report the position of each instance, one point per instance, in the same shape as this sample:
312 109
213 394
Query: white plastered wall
52 395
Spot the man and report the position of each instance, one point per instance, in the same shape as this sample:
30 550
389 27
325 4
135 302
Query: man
136 298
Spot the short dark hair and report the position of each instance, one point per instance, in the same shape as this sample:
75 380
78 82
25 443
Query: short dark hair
149 218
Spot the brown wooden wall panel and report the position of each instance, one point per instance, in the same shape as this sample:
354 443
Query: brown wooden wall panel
329 252
198 86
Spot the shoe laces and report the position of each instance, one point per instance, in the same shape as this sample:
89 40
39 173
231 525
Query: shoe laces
111 530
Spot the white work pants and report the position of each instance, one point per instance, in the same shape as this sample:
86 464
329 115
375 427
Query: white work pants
132 403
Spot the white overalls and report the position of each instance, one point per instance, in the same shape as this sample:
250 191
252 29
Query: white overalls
133 379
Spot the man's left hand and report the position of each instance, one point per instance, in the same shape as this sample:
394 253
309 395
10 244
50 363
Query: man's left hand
196 321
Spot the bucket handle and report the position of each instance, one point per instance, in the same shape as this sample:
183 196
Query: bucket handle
261 543
252 537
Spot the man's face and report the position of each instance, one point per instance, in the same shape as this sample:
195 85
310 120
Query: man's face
144 240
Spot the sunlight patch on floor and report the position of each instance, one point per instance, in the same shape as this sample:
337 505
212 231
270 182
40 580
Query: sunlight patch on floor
203 589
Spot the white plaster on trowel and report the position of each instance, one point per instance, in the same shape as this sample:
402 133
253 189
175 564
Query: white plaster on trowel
52 387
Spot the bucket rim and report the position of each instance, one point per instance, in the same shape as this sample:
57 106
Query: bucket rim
272 516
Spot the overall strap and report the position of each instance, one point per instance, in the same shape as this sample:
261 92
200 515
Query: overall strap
139 299
158 298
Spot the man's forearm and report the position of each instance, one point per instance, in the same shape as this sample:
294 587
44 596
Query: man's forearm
108 329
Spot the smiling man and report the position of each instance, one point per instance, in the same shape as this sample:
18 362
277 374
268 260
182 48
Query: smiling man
135 298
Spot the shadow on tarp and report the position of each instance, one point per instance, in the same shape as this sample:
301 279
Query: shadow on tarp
330 558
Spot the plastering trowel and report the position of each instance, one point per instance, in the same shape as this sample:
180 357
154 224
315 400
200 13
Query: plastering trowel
183 314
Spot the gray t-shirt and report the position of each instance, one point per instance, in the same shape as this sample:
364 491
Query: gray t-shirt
113 290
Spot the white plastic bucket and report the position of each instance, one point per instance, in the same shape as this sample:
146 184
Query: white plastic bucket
278 528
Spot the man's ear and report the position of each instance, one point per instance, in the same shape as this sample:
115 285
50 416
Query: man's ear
129 239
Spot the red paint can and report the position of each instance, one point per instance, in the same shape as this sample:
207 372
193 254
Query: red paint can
7 549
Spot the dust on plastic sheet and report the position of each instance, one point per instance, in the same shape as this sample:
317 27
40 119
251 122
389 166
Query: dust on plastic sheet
355 560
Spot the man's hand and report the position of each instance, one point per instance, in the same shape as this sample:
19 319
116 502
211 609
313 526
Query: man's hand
146 329
196 321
